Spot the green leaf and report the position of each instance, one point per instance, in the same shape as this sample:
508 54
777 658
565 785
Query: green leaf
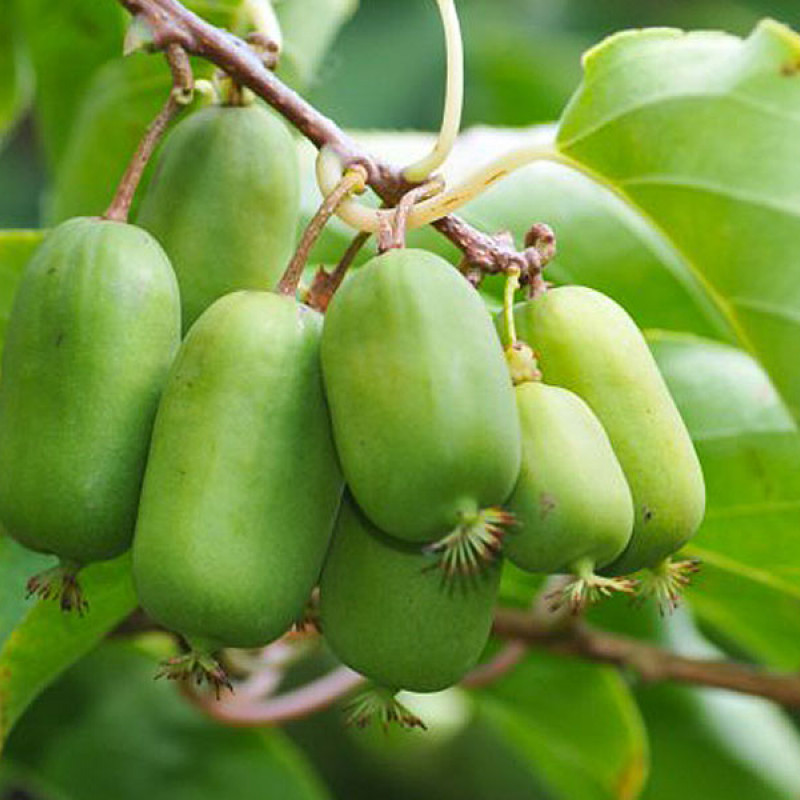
46 641
67 42
699 132
730 734
705 743
107 729
309 28
16 247
575 723
749 446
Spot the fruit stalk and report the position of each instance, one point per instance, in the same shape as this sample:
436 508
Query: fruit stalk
180 96
352 181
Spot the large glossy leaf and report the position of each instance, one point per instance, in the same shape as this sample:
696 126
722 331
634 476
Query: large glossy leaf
749 447
107 729
704 744
45 641
576 724
699 132
605 244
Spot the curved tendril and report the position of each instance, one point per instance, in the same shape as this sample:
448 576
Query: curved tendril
364 218
453 100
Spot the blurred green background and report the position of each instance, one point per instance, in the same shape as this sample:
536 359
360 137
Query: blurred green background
385 71
386 68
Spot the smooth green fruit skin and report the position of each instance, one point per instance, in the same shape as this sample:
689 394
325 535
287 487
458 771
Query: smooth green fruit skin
93 331
224 202
388 615
587 343
422 404
242 483
571 502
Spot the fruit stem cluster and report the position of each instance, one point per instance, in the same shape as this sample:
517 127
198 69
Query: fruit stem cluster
170 27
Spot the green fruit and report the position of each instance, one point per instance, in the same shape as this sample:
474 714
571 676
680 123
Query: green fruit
422 404
571 501
585 342
224 203
242 482
93 331
387 615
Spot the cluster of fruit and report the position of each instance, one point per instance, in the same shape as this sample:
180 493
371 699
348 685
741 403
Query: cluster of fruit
449 453
224 456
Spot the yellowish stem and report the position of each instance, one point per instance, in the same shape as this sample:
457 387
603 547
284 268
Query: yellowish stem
453 101
364 218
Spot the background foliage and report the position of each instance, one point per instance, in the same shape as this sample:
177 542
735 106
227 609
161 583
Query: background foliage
695 234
